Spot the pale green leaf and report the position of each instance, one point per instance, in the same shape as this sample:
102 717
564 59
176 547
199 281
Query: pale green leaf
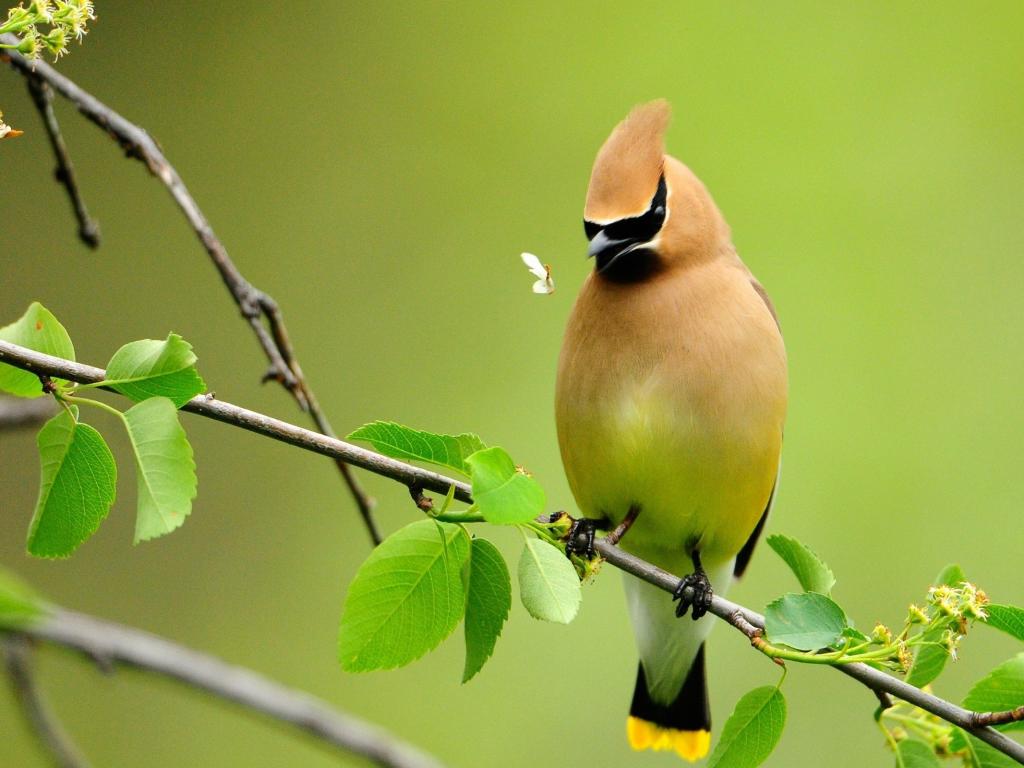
38 330
752 730
548 584
1000 690
916 754
400 442
488 600
1008 618
978 754
807 621
503 493
78 482
930 659
19 604
149 368
406 597
165 470
809 569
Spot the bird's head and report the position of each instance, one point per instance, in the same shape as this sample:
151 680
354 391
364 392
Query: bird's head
646 212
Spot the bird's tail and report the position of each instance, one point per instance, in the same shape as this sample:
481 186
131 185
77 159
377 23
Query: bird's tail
683 726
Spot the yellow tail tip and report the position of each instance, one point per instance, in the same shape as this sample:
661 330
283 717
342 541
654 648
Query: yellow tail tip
689 745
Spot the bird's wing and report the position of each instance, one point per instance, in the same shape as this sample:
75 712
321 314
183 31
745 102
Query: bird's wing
743 558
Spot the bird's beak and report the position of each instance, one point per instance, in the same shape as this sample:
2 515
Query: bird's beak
607 251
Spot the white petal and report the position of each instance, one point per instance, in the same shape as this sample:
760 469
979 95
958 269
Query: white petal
533 264
544 286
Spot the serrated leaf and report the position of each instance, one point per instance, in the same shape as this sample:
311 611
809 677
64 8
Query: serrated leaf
165 470
807 621
19 603
150 368
979 754
548 585
77 486
809 569
503 494
38 330
752 730
1000 690
1008 618
488 600
406 597
930 659
916 754
401 442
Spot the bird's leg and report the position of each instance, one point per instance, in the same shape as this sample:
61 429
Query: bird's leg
627 522
580 540
700 597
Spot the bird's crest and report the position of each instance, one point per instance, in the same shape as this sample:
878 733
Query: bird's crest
628 166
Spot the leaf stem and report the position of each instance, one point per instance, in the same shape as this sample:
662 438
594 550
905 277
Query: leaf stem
89 401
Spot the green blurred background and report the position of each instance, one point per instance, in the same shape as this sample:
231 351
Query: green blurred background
377 168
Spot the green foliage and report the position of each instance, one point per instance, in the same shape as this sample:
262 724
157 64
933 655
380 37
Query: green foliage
978 754
752 730
77 486
165 471
38 330
548 584
19 604
1008 618
931 657
406 597
149 368
401 442
807 621
915 754
809 569
1000 690
503 493
488 601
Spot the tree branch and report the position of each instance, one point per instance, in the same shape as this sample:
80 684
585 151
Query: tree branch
16 412
416 479
44 724
256 306
108 644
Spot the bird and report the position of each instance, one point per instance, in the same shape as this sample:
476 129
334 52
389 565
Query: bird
670 401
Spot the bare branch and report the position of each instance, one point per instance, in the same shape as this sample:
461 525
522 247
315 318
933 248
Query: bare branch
416 479
258 308
16 412
111 644
18 656
42 97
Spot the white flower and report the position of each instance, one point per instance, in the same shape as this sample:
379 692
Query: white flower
544 284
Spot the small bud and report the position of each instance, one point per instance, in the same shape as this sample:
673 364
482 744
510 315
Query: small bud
916 615
881 635
56 42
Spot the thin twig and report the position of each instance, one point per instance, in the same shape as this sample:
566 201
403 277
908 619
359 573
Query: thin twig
117 644
258 308
16 412
743 619
42 97
51 735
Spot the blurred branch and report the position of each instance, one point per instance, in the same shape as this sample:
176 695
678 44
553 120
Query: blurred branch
750 623
109 644
18 657
42 97
16 412
258 308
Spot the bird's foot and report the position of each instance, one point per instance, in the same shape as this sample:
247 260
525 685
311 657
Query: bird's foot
699 597
580 541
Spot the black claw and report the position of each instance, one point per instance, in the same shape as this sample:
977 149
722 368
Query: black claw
580 540
701 595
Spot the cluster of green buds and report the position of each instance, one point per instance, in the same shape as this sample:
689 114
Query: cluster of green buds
47 26
953 609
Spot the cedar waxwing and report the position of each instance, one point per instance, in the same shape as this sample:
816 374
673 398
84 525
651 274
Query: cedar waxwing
670 404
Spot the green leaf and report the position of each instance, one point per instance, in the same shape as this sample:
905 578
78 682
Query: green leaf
979 754
165 471
19 603
809 569
400 442
930 659
1008 618
548 584
752 730
488 600
1000 690
39 330
406 597
503 493
150 368
916 754
78 482
807 622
